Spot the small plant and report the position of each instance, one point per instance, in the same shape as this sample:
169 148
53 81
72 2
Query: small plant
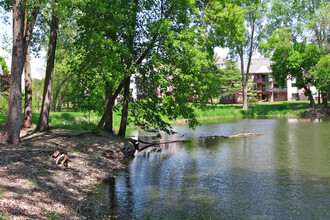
1 196
252 100
25 144
21 191
4 216
51 216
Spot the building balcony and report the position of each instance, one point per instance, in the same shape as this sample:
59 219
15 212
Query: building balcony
263 80
263 90
272 90
280 89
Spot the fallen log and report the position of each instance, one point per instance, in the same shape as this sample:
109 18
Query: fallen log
136 142
157 143
234 136
244 135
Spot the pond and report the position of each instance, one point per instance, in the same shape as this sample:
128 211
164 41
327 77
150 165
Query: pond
282 174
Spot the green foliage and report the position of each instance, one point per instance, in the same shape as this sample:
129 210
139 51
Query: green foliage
4 216
321 73
242 33
51 216
62 80
4 103
37 92
297 16
252 100
226 21
3 65
292 59
231 82
165 51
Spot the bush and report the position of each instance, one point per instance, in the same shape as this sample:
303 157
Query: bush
228 98
252 100
3 103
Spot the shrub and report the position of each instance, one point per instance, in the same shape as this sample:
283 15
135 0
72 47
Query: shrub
252 100
228 98
3 103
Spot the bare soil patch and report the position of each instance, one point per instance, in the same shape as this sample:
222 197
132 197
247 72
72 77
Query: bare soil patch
32 186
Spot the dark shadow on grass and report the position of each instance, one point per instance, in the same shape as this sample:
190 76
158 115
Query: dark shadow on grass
64 116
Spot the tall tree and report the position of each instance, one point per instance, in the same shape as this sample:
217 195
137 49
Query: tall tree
230 82
319 24
21 40
27 121
291 26
46 101
254 12
237 25
321 74
293 59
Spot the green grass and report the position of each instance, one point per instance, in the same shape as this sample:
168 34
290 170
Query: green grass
255 110
88 121
69 120
77 120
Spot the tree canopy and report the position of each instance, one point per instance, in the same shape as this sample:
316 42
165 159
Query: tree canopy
159 43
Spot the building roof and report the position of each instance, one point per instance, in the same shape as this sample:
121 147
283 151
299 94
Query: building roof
258 65
220 60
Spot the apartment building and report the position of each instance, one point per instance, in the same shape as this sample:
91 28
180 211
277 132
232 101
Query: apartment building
264 84
267 90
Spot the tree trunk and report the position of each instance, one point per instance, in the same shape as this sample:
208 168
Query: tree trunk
324 99
55 97
123 122
57 92
108 115
109 122
11 131
318 97
310 96
46 101
245 103
21 38
27 122
111 97
244 82
60 102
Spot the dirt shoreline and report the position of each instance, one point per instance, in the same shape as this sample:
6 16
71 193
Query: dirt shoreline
32 186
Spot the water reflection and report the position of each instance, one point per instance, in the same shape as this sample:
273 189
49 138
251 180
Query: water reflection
282 174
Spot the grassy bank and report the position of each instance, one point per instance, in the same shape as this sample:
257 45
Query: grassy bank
265 109
69 120
89 120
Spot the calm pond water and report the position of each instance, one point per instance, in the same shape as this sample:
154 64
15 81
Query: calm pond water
282 174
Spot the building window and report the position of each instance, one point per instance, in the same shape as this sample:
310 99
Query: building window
277 96
293 85
295 96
